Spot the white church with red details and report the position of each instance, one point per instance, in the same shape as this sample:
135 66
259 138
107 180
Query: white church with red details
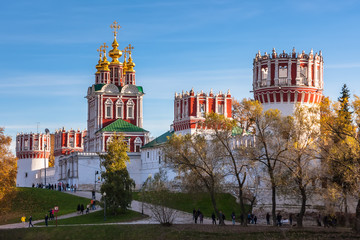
115 105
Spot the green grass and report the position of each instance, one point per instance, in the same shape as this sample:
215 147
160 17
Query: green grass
37 202
175 232
98 217
188 201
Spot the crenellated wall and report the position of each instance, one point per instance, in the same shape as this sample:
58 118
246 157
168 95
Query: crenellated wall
282 80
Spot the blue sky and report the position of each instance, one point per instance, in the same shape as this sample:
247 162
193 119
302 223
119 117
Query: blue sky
48 51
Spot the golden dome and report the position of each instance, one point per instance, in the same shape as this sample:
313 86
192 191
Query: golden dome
115 53
105 64
130 65
98 66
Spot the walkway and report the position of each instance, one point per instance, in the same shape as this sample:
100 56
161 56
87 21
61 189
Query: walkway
181 217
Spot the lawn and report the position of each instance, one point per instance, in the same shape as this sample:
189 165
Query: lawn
37 202
175 232
98 217
188 201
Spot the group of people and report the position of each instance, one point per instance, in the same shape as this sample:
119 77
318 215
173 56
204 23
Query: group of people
197 214
91 206
328 220
59 186
46 218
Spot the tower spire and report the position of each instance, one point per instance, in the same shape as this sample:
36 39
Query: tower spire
105 63
98 66
115 53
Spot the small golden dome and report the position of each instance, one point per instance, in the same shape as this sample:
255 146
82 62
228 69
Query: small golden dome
130 65
105 64
98 66
115 53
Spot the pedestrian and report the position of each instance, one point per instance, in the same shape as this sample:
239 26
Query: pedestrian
75 188
82 208
249 218
278 218
255 219
78 209
87 208
196 216
23 218
268 219
318 220
93 194
223 218
290 219
201 217
46 220
233 217
30 221
213 218
194 212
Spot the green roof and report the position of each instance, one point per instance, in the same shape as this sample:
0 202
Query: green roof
121 126
98 86
159 140
140 88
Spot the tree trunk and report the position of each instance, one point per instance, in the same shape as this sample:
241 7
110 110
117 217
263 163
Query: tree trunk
357 219
213 201
347 222
273 196
300 218
242 207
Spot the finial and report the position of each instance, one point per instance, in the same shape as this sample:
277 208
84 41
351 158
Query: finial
220 92
192 89
311 51
202 92
303 52
211 91
99 50
320 53
228 92
175 94
115 26
129 49
293 51
259 53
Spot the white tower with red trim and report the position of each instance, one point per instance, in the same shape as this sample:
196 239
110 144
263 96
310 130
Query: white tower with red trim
280 81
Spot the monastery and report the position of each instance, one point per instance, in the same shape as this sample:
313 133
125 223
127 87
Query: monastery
115 105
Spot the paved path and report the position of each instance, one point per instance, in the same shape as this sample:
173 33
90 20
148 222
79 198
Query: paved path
181 217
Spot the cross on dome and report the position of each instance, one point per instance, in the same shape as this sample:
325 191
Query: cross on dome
116 27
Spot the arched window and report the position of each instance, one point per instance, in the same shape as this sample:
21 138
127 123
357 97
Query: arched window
202 109
221 108
119 108
137 144
130 109
108 108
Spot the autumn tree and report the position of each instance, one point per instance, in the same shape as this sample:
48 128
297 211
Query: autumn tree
271 131
301 159
196 157
117 182
224 132
8 171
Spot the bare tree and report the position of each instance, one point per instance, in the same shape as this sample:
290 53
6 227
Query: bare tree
155 195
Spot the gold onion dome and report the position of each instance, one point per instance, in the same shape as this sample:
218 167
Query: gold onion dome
130 65
115 53
105 64
98 66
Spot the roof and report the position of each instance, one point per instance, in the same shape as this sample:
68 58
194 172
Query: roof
140 88
99 86
159 140
121 126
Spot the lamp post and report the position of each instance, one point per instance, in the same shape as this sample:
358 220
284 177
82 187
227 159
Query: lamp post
104 194
96 173
45 145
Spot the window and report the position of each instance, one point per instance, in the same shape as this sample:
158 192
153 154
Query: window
148 154
159 159
202 109
264 73
71 142
137 144
221 109
26 174
108 108
26 145
130 109
36 144
119 108
283 72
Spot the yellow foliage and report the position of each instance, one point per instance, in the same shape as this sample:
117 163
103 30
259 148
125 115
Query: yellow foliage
8 169
116 156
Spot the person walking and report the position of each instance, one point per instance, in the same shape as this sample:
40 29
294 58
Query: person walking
233 217
196 216
201 217
46 220
279 218
291 219
268 219
255 219
82 208
30 221
213 218
78 208
194 213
